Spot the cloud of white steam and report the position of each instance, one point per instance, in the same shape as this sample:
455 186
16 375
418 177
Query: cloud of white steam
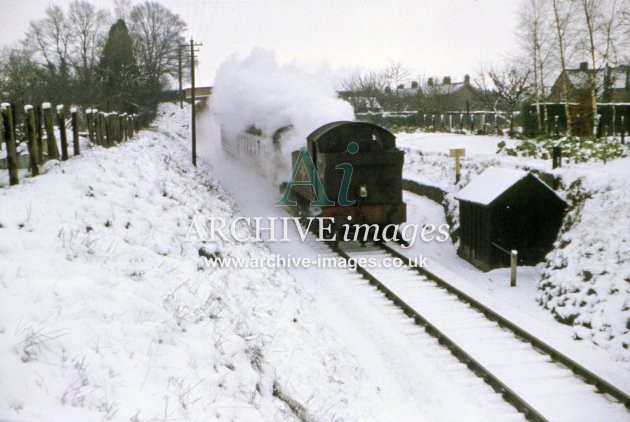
258 91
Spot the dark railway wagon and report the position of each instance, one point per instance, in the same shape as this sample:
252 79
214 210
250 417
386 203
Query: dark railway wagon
375 188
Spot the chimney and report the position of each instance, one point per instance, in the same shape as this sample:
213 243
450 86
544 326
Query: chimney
583 66
446 80
430 82
466 79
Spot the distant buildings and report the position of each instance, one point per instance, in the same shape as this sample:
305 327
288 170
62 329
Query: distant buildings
430 97
612 84
612 94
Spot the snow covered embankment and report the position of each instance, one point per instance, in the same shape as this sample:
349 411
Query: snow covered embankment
586 280
105 313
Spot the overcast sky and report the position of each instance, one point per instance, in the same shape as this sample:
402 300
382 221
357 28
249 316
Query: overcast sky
430 37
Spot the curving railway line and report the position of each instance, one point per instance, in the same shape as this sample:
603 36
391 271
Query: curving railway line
536 379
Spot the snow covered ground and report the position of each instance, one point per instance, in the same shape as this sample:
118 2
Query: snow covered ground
108 313
586 281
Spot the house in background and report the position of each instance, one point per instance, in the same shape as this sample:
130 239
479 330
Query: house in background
612 92
460 96
612 84
458 104
411 91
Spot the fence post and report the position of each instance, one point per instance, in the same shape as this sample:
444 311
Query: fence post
61 121
115 127
102 127
109 131
89 116
39 133
130 126
33 149
111 125
513 262
623 131
123 127
76 148
108 128
119 133
115 133
613 123
98 122
9 139
53 151
556 157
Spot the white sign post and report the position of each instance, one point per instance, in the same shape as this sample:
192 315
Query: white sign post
457 153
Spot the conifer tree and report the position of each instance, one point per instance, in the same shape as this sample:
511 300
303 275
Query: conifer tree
118 71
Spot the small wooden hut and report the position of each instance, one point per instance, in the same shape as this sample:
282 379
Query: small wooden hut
507 209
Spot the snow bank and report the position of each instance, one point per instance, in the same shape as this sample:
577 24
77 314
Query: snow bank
586 281
105 313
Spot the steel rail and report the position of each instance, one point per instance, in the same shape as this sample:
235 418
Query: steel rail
588 376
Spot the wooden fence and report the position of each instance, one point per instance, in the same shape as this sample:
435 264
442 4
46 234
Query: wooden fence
105 129
482 122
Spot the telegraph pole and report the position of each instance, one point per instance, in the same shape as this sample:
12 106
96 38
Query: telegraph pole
179 74
192 97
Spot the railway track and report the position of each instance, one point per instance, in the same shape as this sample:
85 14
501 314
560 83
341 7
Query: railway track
536 379
404 352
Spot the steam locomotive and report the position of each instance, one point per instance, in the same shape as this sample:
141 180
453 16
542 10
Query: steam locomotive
350 171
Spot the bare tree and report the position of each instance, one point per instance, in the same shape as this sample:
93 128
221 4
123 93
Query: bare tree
564 14
614 13
624 30
396 74
512 87
485 88
88 27
52 39
122 9
362 87
604 32
536 40
157 34
591 11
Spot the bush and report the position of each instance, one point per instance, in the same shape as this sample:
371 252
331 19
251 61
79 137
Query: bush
574 149
396 123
